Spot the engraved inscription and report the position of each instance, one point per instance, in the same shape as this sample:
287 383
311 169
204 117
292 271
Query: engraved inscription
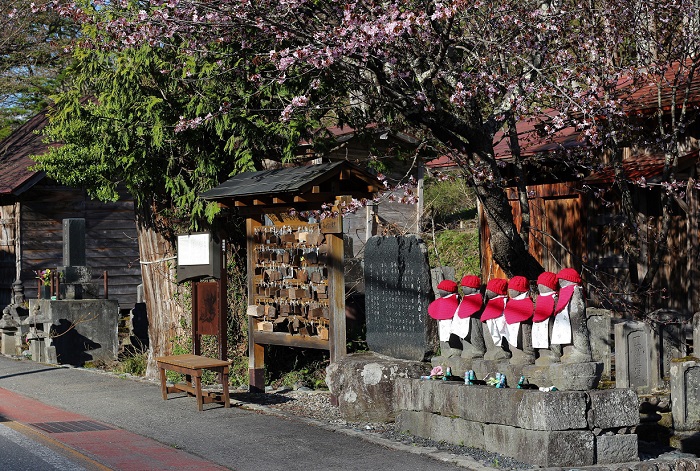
692 395
671 347
638 365
397 294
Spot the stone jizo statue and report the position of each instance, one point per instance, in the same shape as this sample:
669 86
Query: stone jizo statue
466 323
543 320
518 314
493 320
571 309
443 310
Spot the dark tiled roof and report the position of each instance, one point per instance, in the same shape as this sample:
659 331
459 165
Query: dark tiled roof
647 166
15 175
278 181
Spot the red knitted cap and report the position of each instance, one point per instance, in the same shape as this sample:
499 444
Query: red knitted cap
569 274
448 285
548 279
471 281
498 286
519 283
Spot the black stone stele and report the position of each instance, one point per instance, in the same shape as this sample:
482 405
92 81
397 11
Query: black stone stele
397 293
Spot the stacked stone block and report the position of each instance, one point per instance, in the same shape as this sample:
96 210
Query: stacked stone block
560 428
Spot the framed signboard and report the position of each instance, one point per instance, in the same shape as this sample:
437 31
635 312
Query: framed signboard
198 256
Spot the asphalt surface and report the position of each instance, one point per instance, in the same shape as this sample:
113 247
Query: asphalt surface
233 438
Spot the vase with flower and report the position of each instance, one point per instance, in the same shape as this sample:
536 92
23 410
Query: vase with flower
44 277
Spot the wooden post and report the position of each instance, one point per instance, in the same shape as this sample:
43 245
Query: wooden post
371 221
106 284
223 307
196 341
336 286
419 191
256 352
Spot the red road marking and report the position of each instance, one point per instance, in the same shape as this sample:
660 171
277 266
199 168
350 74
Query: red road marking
118 449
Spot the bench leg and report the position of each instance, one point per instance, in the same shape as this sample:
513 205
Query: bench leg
198 391
163 387
224 383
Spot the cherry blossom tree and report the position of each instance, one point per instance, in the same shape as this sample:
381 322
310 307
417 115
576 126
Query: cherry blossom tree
458 72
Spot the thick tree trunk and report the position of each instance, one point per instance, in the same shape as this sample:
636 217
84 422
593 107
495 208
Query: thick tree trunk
509 250
157 252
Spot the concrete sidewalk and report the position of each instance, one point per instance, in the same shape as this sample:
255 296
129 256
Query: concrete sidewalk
144 432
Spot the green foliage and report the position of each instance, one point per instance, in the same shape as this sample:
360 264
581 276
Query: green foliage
133 364
456 248
163 123
287 366
311 375
451 205
448 201
32 49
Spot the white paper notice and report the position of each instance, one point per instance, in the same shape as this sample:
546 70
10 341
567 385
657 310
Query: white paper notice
561 330
193 249
512 334
460 327
445 329
540 334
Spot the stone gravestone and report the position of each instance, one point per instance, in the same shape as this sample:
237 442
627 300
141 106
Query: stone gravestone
75 275
669 339
633 345
685 395
397 294
600 327
696 334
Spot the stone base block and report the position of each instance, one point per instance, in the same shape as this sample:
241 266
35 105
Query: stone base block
442 429
613 408
51 356
364 385
482 368
576 376
37 349
8 344
559 410
538 375
616 449
543 448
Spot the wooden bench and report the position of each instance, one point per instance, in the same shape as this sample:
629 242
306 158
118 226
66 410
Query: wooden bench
191 366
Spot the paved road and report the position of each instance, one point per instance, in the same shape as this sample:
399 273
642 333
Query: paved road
233 438
20 452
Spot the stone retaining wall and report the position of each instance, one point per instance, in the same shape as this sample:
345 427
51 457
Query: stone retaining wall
560 428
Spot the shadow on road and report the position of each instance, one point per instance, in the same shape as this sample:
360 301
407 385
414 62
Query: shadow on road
30 372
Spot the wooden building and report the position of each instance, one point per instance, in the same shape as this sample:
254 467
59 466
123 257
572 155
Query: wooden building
576 220
32 208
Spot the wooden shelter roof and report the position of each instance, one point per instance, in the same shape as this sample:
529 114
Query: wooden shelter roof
15 152
295 186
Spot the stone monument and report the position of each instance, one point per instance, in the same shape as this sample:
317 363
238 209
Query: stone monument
633 356
78 328
397 294
75 275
